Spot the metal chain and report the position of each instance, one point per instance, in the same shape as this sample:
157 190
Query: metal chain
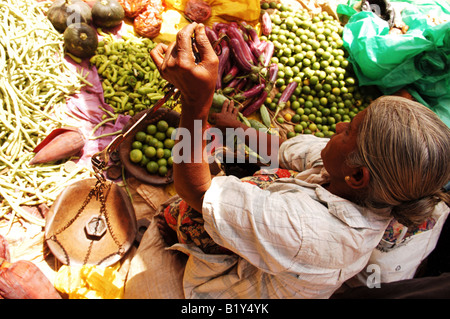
98 190
94 190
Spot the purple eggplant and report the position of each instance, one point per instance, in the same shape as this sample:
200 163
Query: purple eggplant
285 96
223 61
254 91
257 53
273 74
251 32
266 24
268 53
211 34
236 34
231 74
256 104
244 64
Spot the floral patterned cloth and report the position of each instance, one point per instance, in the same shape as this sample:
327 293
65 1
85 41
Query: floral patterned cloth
397 232
189 225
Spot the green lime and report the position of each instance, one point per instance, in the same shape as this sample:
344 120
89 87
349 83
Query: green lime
148 139
136 155
290 134
160 136
140 136
159 144
162 126
298 128
170 131
170 161
162 170
136 145
162 162
167 153
296 118
169 143
309 104
295 105
152 167
150 152
159 152
319 134
151 129
144 160
350 81
328 133
279 82
306 89
314 80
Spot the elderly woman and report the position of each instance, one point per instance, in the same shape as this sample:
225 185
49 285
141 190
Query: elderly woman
302 236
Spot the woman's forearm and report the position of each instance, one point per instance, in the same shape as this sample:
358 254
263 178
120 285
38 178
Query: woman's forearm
192 176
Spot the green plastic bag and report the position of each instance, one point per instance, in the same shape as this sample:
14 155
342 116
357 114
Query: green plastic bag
418 61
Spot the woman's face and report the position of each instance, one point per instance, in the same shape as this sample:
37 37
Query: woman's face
342 143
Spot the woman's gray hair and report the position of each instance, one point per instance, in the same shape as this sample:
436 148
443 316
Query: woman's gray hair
406 148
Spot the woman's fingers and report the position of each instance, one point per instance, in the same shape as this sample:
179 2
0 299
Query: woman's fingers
184 45
235 110
158 53
225 106
231 107
207 54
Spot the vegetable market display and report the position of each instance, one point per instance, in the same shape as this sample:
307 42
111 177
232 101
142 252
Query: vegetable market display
34 85
293 73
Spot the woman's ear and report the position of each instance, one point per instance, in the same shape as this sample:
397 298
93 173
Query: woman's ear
359 178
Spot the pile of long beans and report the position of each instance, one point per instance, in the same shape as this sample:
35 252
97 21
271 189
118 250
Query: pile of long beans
34 85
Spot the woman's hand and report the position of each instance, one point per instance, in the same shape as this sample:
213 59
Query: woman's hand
176 63
228 117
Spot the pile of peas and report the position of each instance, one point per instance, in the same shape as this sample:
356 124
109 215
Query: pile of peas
309 50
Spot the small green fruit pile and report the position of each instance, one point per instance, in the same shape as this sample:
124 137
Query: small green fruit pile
152 148
309 50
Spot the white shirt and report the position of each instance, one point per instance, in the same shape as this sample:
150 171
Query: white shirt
293 239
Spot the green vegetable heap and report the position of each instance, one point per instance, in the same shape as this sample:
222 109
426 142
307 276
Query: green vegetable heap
152 148
131 82
309 51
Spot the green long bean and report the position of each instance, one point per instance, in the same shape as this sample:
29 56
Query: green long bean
35 82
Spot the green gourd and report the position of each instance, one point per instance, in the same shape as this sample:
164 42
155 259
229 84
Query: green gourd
62 13
81 40
107 13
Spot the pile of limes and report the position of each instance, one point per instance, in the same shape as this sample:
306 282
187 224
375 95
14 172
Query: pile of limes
309 50
152 148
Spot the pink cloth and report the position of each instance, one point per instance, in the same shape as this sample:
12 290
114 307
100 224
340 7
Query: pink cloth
85 106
